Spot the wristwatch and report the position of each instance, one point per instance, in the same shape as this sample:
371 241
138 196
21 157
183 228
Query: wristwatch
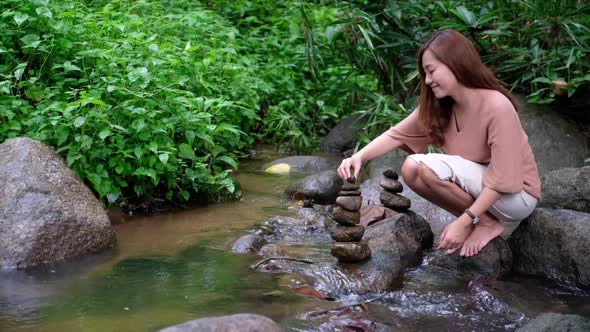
474 218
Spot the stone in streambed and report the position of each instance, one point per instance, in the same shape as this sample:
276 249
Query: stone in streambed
349 193
350 186
345 217
350 203
391 185
351 252
394 201
391 174
347 233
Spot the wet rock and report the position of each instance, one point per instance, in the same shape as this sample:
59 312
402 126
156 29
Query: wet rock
485 297
47 214
322 187
345 217
301 164
349 193
342 136
347 186
554 243
295 229
567 188
351 252
271 250
436 217
396 244
394 201
391 185
350 203
250 243
312 216
556 142
233 323
390 174
556 322
347 233
371 214
494 260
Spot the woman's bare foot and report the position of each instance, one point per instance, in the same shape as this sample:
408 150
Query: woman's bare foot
485 231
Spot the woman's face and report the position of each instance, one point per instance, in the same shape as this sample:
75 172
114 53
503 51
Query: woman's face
439 77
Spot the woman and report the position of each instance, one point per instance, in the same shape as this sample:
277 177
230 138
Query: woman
488 173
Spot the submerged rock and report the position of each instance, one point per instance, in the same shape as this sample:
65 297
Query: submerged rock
555 244
47 214
233 323
556 322
250 243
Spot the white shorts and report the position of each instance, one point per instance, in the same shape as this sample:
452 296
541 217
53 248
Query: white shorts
468 175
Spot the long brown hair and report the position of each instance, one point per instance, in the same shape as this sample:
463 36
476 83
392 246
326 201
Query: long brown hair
456 52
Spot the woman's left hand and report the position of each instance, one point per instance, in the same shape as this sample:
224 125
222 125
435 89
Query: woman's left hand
455 234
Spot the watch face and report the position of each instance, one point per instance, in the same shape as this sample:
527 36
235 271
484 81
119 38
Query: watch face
475 220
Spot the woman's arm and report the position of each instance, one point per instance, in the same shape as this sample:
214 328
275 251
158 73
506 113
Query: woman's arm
378 147
484 201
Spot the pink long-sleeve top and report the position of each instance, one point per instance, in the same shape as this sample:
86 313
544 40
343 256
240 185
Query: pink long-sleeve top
491 137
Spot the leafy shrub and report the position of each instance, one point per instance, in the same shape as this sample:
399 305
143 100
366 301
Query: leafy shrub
144 104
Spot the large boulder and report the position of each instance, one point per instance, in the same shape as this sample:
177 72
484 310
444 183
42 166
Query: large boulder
567 188
494 260
47 214
550 322
233 323
322 187
342 136
556 142
396 244
298 164
554 243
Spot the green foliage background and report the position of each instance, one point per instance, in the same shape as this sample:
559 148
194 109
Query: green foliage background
153 102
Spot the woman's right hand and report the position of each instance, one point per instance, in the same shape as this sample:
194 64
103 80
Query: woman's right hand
354 162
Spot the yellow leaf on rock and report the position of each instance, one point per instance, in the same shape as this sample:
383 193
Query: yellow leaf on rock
278 169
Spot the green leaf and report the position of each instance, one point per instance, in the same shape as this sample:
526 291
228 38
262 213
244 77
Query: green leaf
20 18
228 160
186 152
163 158
104 133
79 122
31 41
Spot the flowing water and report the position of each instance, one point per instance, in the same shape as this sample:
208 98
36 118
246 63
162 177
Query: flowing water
176 267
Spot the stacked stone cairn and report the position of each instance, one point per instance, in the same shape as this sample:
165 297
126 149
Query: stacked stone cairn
348 233
390 196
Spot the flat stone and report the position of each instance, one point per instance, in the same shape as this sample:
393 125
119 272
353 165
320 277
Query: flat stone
351 203
350 186
345 217
351 179
394 201
391 174
391 185
349 193
351 252
347 233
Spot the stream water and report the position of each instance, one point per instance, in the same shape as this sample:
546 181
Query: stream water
176 267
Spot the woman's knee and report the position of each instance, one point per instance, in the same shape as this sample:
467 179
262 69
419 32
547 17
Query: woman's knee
410 170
